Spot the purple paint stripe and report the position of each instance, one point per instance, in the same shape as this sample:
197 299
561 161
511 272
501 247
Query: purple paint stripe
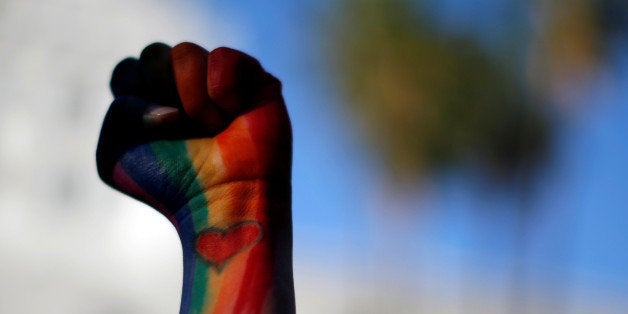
123 180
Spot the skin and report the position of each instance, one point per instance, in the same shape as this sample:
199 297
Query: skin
205 139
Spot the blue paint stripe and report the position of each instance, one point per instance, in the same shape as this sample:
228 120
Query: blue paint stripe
188 236
142 165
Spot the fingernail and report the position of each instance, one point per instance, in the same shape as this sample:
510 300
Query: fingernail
158 115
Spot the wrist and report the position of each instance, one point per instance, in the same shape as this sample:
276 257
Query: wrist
237 243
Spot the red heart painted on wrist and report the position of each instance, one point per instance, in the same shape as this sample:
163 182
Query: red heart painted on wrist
217 245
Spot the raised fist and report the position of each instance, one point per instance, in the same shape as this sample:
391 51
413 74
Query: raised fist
205 138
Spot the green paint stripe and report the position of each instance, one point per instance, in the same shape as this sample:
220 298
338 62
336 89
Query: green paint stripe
174 157
199 215
199 289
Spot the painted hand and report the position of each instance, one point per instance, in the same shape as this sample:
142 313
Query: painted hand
205 138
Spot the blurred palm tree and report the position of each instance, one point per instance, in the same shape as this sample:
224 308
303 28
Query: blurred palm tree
428 101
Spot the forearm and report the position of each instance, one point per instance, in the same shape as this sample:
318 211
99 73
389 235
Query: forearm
237 249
